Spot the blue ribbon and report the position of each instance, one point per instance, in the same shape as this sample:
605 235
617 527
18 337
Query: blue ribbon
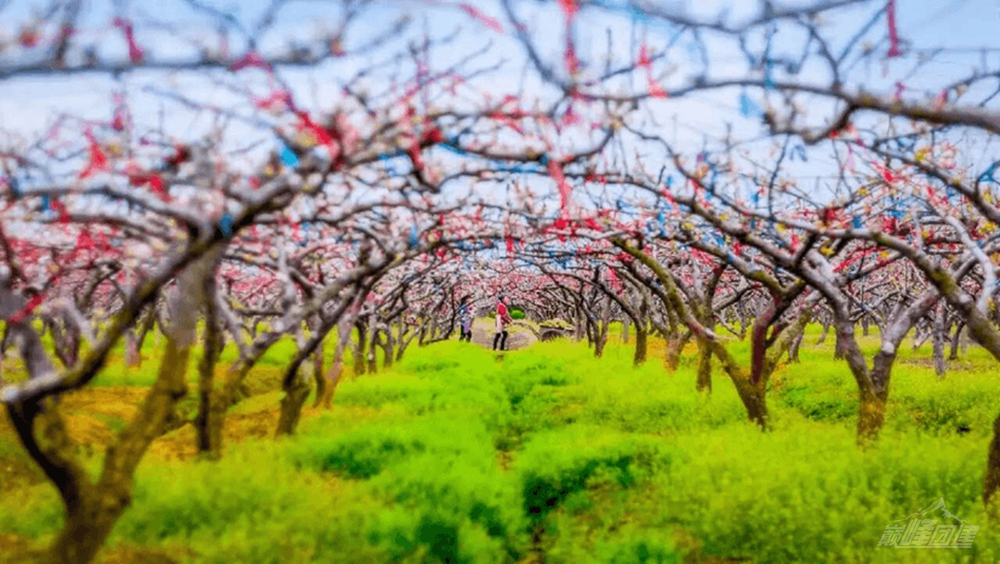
988 176
800 151
453 149
289 157
226 225
749 108
304 228
414 237
387 161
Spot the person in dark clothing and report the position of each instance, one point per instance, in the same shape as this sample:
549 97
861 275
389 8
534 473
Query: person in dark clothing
465 320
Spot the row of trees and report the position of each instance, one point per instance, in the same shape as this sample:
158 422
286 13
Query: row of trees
465 151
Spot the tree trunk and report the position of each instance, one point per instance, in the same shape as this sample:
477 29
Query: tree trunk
388 348
793 347
838 349
991 481
87 527
93 509
360 348
755 403
672 355
137 338
319 374
336 371
955 340
373 342
937 340
600 338
871 415
296 392
822 336
208 430
91 517
752 394
132 355
625 328
640 346
704 367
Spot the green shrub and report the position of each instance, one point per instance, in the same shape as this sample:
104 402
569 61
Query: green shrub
366 451
457 510
557 464
643 549
812 495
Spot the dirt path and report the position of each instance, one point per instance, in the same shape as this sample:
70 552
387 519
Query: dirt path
483 331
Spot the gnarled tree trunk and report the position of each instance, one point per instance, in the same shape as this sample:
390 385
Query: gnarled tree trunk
871 414
640 346
704 382
955 340
208 430
937 340
296 388
361 347
92 509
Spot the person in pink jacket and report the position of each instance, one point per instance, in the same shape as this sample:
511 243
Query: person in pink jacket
503 319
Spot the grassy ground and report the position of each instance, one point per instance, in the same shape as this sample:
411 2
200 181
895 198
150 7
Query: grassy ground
542 455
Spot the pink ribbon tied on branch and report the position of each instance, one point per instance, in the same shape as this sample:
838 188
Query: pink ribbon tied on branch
646 62
135 53
893 34
250 60
565 190
489 22
570 8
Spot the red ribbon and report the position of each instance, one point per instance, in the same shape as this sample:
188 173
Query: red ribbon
121 118
61 210
34 302
569 7
98 160
646 62
154 181
321 135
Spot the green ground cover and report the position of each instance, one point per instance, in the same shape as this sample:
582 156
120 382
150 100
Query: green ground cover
549 455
